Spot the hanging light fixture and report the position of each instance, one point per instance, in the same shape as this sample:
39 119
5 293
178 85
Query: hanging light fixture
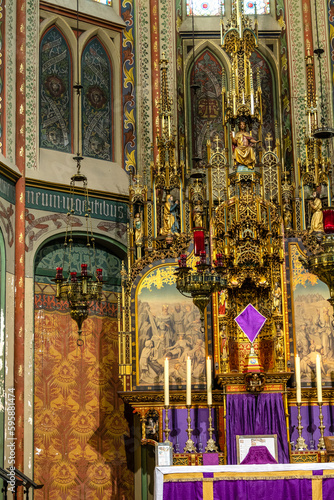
324 131
81 288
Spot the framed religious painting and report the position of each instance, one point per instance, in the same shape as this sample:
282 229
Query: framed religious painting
167 325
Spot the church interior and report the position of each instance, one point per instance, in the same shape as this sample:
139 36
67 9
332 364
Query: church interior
166 249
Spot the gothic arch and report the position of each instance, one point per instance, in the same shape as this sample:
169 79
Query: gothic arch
115 63
55 84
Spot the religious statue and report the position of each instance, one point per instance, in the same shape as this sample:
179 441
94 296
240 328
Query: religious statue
243 147
317 225
277 298
170 222
287 215
138 229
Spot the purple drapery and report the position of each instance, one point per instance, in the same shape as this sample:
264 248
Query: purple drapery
247 414
280 489
184 490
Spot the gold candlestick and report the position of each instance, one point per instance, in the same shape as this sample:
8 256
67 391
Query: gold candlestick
166 429
321 443
300 443
210 445
190 445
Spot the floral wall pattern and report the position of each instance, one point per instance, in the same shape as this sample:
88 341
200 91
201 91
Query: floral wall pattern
96 101
80 428
55 100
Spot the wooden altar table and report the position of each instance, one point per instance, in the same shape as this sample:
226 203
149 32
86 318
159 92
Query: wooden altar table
245 482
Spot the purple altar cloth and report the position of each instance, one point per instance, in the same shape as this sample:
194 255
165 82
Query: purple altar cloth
258 455
188 490
285 489
245 482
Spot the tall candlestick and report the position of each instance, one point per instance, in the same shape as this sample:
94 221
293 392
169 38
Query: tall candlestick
318 372
209 381
166 382
188 399
297 375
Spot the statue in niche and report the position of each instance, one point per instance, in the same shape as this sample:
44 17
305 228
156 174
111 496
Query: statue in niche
170 222
137 222
317 225
287 215
243 143
277 298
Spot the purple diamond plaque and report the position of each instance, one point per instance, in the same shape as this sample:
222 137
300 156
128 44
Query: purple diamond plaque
250 322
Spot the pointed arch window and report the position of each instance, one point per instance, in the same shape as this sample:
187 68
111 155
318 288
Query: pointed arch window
217 7
55 97
96 78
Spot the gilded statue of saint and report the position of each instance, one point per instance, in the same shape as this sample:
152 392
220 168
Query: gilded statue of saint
170 222
317 225
138 229
244 147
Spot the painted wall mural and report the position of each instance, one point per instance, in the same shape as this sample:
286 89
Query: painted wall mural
312 320
55 100
167 325
97 99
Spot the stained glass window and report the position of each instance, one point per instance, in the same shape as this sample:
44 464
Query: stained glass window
202 8
55 92
216 7
96 102
262 7
106 2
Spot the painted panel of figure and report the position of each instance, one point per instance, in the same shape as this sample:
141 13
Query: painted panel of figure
168 325
96 102
313 328
55 100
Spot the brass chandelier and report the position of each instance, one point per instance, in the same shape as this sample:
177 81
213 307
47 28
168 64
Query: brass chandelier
79 289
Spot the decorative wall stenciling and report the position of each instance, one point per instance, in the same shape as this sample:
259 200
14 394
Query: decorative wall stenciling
206 107
55 92
129 76
2 78
331 41
297 75
31 81
285 88
96 78
10 55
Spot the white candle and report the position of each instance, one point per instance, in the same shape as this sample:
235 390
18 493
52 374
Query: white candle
166 382
188 399
297 374
252 103
209 381
318 371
